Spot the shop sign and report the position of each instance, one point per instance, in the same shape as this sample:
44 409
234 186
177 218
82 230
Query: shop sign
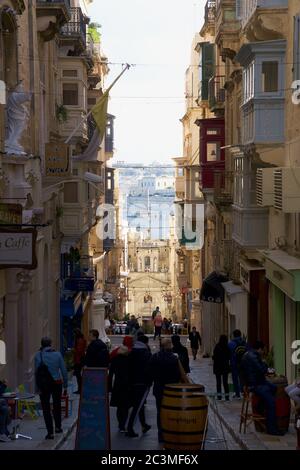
17 248
80 284
57 160
10 214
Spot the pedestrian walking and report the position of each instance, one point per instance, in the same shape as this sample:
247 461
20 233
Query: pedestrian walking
51 378
163 369
119 385
221 367
238 347
195 340
79 354
254 372
158 321
155 312
140 383
97 354
182 353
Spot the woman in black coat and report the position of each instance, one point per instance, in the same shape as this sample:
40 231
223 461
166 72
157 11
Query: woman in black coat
221 358
182 353
120 386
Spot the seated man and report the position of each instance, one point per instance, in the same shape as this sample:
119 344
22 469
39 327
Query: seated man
254 373
4 415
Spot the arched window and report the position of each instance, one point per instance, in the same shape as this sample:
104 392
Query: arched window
155 265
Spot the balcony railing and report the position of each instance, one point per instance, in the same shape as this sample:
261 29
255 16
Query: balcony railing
216 92
210 11
77 267
76 27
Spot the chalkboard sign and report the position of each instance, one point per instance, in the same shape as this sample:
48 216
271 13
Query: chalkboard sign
93 430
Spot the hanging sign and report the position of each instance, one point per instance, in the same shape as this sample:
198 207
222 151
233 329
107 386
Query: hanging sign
17 248
57 160
10 214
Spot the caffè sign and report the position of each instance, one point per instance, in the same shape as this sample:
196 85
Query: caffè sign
17 248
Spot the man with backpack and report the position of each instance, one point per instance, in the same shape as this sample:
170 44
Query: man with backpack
237 347
51 377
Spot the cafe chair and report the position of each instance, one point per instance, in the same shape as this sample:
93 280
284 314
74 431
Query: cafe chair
29 406
66 405
246 416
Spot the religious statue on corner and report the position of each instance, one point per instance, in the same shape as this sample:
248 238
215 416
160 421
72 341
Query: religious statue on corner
17 116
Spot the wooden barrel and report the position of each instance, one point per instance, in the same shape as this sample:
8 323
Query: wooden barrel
183 416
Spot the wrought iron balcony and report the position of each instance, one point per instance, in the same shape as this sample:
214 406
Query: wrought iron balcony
216 92
75 29
210 12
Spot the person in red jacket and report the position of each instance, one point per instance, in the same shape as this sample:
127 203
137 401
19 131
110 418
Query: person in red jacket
127 341
158 321
79 354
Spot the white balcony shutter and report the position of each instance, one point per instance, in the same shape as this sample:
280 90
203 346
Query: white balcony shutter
296 66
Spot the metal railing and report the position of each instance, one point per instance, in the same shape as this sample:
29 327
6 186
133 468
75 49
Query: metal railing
76 27
216 91
210 11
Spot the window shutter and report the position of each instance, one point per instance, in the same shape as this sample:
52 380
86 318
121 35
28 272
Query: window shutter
296 60
208 67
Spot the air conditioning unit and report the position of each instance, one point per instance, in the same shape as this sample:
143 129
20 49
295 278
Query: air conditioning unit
265 187
287 189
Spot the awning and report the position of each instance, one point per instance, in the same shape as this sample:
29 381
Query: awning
283 270
232 289
212 289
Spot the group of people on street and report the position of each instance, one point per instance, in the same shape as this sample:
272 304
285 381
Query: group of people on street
249 371
132 372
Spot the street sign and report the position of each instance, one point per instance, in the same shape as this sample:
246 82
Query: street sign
93 429
17 248
83 284
57 160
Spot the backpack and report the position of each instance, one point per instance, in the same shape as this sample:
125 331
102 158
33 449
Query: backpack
43 378
239 352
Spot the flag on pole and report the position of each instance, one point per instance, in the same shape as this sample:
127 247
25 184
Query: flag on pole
99 113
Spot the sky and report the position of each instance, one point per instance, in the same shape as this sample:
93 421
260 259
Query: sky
148 101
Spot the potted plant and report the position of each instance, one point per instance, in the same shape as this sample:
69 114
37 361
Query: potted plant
61 113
